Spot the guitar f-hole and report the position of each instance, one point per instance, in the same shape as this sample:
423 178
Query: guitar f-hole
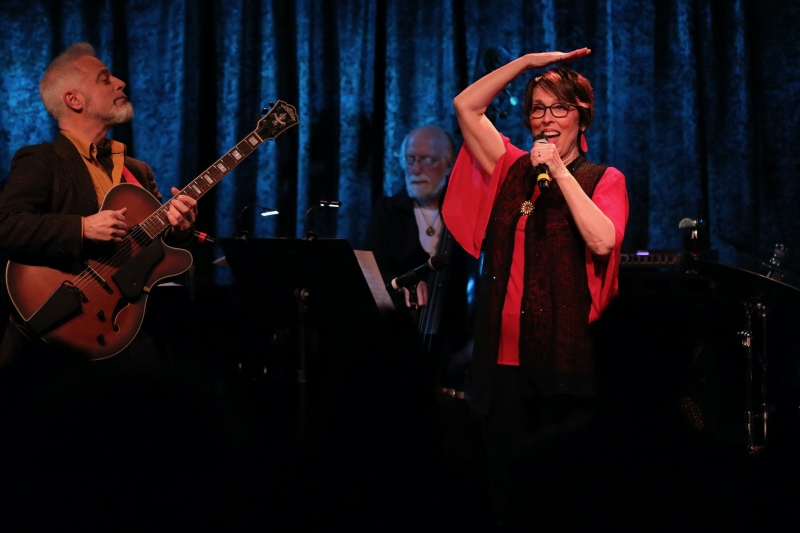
122 303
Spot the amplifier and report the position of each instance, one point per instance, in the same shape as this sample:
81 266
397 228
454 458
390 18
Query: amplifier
660 258
652 259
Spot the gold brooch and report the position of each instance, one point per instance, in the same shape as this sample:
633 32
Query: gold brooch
527 208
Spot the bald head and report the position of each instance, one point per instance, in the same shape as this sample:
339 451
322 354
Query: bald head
427 155
432 134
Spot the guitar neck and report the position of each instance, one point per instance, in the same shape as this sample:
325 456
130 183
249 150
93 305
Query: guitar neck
158 222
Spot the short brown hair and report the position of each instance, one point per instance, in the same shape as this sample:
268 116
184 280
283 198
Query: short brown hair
566 85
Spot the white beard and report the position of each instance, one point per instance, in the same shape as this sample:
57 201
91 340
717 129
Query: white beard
118 115
428 198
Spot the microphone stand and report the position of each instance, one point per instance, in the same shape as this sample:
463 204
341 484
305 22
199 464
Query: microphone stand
246 224
414 301
301 295
310 233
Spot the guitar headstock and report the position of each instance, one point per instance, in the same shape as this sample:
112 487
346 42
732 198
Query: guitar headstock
280 118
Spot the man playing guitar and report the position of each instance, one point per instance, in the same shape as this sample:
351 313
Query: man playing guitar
49 208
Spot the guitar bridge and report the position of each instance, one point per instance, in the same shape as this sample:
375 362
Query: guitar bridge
98 278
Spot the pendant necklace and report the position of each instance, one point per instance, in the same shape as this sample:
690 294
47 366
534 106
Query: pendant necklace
430 232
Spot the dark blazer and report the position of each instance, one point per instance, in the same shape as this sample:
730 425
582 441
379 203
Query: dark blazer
49 190
393 237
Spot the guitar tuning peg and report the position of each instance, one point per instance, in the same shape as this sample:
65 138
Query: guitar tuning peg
258 117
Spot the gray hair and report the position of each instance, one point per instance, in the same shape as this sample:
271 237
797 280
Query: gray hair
450 145
61 76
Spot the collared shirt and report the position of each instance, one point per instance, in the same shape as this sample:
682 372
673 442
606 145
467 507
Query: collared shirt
102 181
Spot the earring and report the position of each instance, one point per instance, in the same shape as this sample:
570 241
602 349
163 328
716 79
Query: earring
584 146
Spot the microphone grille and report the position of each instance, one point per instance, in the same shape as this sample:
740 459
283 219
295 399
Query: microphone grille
438 262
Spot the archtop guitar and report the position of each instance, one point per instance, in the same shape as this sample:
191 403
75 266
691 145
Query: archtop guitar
99 310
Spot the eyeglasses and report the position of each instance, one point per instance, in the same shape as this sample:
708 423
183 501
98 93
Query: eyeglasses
425 161
557 110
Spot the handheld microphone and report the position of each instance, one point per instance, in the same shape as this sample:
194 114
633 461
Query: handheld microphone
543 176
412 277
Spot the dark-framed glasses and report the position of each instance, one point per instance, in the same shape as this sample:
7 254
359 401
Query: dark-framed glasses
557 110
425 161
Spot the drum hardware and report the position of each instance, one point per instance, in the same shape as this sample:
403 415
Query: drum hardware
757 293
775 267
751 417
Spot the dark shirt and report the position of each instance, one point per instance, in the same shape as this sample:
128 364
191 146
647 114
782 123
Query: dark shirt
393 237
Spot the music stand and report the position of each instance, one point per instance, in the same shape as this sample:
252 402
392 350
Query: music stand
299 282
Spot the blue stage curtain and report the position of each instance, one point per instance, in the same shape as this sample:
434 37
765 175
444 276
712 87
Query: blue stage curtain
694 100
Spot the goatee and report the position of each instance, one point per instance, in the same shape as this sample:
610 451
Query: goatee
118 115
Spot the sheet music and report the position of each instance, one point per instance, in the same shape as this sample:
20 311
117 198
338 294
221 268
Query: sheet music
222 261
373 276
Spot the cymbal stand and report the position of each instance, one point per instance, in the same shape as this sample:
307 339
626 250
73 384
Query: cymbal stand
301 296
753 306
765 407
747 336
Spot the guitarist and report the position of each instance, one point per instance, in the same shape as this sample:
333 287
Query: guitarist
49 208
404 232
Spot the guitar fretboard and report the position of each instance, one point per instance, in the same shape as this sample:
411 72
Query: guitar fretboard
158 222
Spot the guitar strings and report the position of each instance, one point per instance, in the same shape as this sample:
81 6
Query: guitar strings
137 233
125 250
157 222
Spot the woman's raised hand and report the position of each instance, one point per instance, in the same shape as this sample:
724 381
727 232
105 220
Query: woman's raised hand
545 59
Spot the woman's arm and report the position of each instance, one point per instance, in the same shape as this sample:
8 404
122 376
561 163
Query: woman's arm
596 229
480 135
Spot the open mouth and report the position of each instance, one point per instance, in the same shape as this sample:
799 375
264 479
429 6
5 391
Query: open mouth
552 136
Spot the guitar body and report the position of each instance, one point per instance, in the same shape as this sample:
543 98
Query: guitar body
99 311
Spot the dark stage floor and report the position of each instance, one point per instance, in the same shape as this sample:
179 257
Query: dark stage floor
368 442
